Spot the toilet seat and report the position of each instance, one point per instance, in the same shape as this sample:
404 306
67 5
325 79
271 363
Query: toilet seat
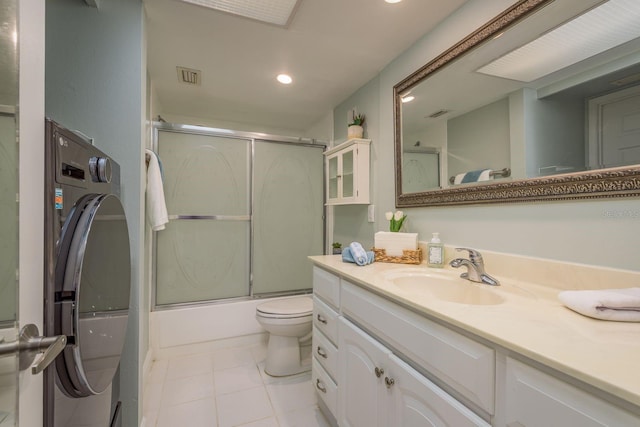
289 308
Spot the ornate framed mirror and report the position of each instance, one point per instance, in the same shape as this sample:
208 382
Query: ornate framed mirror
520 111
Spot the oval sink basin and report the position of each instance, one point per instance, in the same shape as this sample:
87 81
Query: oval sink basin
449 289
448 286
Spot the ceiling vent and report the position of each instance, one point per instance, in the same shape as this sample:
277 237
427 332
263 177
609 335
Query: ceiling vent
189 76
626 80
437 114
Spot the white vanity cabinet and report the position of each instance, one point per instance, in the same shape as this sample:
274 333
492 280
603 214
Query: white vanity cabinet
379 389
397 366
347 172
536 399
326 303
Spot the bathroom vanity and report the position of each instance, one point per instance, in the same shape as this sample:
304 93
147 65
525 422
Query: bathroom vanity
408 345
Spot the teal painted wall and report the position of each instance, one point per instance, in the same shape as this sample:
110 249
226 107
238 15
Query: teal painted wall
600 232
94 83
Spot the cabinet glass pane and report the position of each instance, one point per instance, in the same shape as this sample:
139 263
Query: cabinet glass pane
287 213
199 260
333 177
347 174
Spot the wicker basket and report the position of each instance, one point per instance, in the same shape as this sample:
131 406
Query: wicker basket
408 256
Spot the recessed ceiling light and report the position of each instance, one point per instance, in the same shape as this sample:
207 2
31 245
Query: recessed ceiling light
393 1
278 12
285 79
408 98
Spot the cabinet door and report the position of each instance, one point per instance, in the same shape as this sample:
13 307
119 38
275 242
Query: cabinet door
535 399
360 389
417 402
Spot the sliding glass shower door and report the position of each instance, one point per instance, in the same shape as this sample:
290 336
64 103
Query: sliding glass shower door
244 215
203 253
288 220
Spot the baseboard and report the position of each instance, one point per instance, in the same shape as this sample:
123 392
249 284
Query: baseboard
205 347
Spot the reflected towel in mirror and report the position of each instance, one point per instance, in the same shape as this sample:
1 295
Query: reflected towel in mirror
473 176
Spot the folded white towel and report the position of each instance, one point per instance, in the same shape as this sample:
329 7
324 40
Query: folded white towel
458 179
622 305
485 175
156 207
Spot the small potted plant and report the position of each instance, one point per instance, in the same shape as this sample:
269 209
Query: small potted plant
337 248
355 129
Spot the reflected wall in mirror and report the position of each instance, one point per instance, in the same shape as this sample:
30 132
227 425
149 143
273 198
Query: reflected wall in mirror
529 107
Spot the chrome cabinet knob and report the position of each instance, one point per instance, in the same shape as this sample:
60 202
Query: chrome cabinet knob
379 372
321 352
389 381
320 386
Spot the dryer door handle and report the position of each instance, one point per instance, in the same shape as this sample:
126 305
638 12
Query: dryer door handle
30 344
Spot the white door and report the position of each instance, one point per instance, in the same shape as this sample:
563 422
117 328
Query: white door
614 129
31 208
361 365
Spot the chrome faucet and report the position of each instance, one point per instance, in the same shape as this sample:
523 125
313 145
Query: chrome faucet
475 267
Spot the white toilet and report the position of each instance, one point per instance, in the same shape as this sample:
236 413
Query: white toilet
288 322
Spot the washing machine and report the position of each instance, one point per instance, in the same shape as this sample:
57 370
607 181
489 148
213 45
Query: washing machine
87 279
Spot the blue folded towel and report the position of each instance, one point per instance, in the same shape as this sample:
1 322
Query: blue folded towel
472 176
347 256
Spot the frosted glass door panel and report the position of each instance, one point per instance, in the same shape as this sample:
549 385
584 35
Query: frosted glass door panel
347 174
9 224
333 177
288 210
200 260
205 175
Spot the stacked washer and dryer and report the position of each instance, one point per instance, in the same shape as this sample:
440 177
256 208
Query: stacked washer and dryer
87 280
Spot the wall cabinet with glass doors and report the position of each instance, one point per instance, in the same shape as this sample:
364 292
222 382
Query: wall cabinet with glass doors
347 173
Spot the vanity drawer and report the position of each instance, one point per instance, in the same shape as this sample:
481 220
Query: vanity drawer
325 319
325 352
458 363
327 286
325 387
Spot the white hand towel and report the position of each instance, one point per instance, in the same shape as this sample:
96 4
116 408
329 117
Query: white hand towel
458 179
485 175
622 305
156 207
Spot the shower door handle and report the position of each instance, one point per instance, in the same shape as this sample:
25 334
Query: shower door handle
30 344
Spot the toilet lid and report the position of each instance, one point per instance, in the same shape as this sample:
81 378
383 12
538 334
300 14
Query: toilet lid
292 307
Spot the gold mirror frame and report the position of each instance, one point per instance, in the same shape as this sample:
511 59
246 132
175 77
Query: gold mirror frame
612 182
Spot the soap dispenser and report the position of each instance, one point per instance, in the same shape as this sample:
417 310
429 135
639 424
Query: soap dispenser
435 252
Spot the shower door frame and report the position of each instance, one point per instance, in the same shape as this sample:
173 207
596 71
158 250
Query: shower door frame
251 137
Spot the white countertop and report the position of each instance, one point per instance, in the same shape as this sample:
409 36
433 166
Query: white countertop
531 321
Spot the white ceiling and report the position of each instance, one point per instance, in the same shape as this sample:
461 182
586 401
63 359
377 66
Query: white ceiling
331 48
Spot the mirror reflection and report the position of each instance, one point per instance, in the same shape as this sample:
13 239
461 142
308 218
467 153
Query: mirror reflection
556 93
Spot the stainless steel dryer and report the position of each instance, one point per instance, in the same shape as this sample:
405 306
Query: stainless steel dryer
87 279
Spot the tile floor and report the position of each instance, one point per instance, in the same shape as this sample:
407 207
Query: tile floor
227 387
